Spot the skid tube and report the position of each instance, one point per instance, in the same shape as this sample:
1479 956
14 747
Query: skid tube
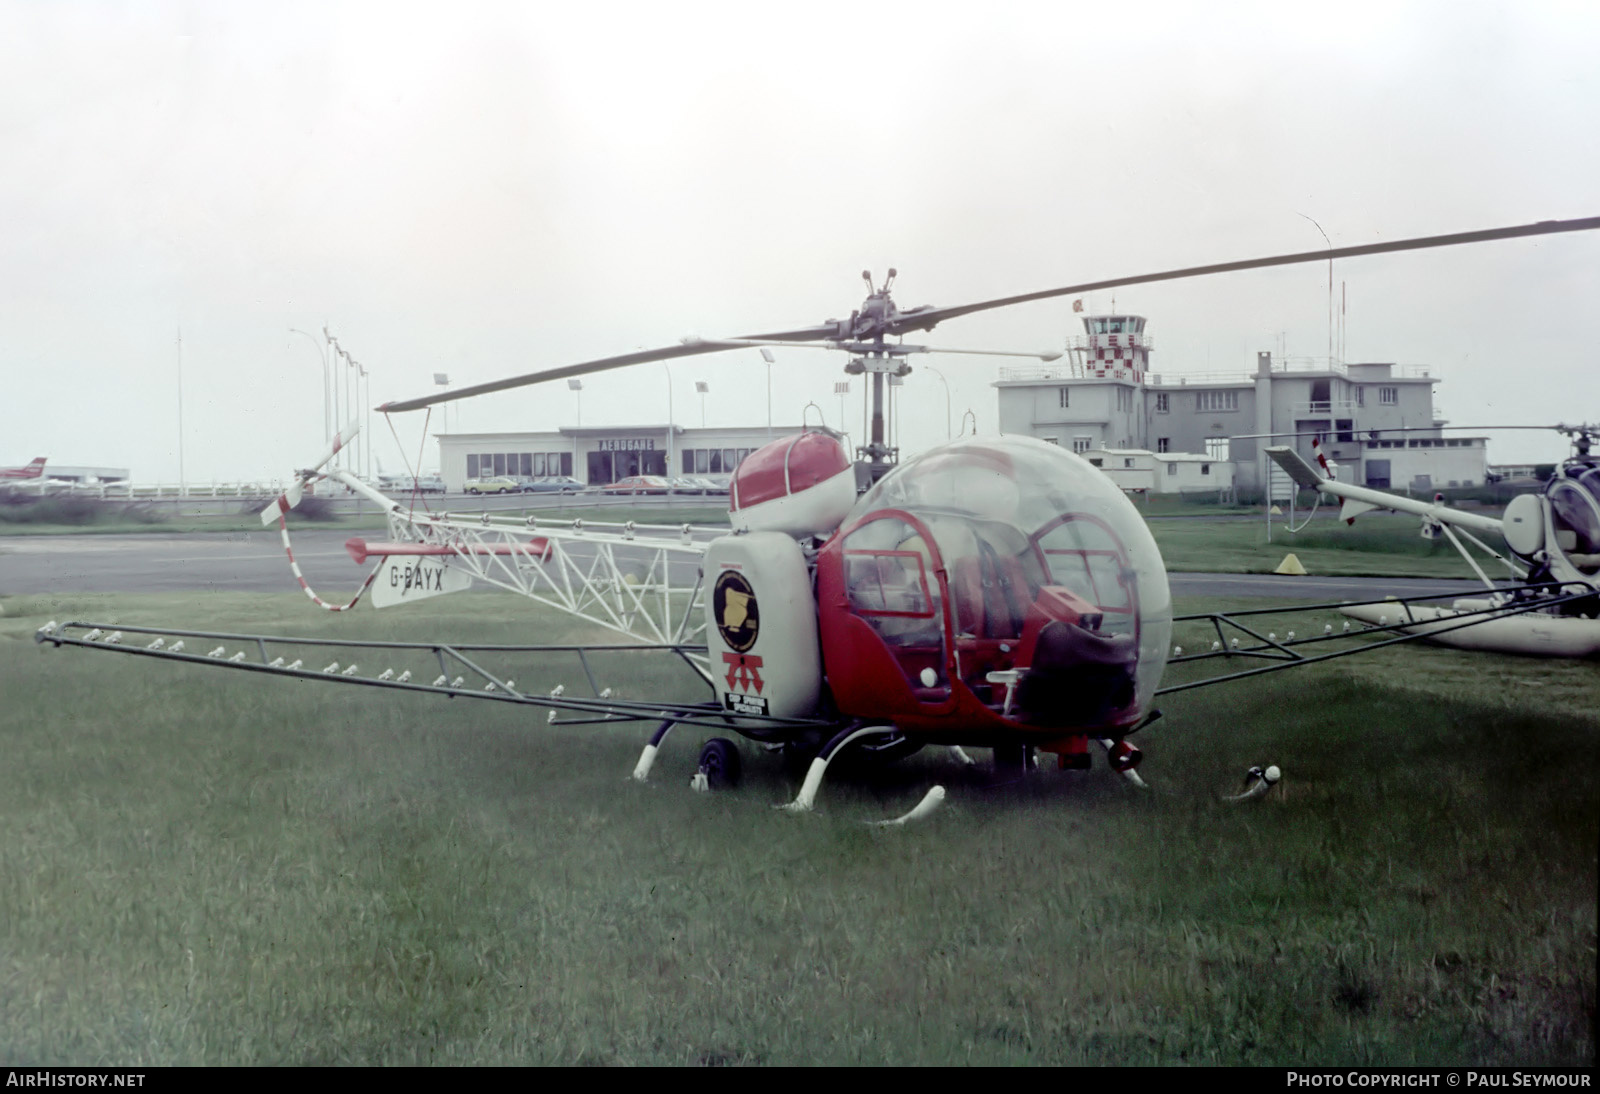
1284 654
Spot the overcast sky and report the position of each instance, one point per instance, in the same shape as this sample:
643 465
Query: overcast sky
489 189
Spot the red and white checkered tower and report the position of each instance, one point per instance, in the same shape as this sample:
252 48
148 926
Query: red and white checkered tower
1114 347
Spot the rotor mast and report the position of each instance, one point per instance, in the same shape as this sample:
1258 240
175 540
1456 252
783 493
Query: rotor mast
877 358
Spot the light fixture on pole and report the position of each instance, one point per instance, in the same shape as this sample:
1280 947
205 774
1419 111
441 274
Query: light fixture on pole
442 379
946 384
702 387
338 423
766 355
327 407
576 387
364 453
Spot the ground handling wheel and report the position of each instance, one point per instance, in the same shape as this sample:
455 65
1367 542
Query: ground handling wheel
719 763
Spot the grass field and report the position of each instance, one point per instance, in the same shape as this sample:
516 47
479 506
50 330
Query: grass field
207 867
1378 545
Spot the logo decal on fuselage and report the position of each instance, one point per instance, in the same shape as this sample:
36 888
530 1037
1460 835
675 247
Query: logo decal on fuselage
733 605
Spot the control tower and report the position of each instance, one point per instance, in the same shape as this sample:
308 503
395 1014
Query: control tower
1113 347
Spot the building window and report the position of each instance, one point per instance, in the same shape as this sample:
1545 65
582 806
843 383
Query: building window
1161 402
1205 469
1064 394
1216 400
1163 444
1217 448
1361 396
1097 461
1124 398
1127 461
1080 445
1172 468
472 465
1053 440
1388 396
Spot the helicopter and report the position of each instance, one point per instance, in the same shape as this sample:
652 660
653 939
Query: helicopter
1553 538
991 592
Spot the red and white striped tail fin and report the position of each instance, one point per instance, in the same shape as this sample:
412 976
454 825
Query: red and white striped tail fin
290 498
1322 458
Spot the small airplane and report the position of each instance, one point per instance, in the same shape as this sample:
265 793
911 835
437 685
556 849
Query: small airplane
33 470
992 592
1553 538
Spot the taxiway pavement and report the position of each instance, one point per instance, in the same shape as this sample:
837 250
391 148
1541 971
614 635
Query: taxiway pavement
255 562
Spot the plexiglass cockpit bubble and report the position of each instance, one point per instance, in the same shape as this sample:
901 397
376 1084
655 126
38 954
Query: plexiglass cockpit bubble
1027 531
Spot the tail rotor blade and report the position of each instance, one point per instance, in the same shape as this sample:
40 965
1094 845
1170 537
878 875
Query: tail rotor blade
290 498
346 435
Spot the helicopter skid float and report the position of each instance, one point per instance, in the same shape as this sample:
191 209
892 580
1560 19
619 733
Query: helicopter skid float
1533 634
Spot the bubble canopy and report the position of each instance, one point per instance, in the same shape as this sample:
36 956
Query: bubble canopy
1027 517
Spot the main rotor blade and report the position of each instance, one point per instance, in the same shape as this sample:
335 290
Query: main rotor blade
925 319
928 318
602 364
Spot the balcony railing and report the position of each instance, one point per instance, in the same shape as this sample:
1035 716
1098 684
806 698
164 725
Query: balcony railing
1336 408
1065 370
1112 341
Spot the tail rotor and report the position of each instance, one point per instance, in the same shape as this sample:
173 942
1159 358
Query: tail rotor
280 506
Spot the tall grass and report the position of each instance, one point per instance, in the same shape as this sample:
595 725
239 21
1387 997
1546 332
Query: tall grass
18 508
206 867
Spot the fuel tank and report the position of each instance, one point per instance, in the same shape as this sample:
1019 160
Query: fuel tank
801 485
761 626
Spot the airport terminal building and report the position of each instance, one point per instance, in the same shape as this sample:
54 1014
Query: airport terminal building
1105 397
596 455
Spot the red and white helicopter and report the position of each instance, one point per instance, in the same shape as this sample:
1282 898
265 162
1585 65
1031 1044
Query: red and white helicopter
993 592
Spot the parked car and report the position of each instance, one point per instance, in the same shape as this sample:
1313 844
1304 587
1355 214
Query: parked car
688 484
499 484
405 484
553 484
716 484
638 484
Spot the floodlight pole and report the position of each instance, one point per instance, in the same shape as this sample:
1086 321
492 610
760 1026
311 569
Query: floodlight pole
182 485
669 416
766 355
946 384
327 410
576 387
